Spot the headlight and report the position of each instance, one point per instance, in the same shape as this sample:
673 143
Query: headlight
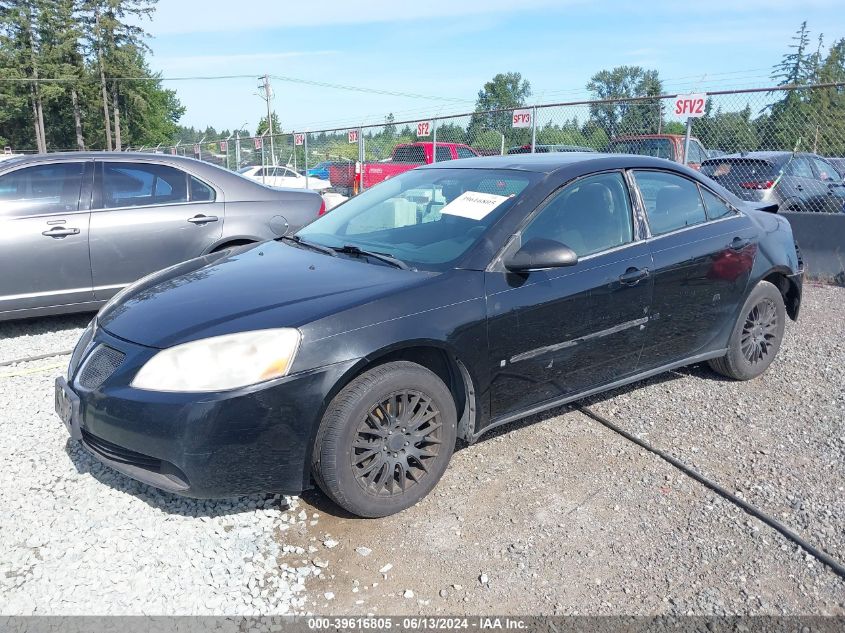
221 362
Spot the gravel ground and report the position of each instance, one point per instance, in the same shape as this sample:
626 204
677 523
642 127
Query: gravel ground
553 515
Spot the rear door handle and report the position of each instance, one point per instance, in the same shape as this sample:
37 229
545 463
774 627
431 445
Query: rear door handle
633 276
738 243
60 231
202 219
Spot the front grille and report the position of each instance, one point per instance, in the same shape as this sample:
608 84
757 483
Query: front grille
79 350
119 454
100 364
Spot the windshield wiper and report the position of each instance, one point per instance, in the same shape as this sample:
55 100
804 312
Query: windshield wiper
314 247
351 249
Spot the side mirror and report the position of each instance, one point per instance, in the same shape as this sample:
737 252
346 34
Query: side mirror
540 253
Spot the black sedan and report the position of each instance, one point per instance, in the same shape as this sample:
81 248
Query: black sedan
438 305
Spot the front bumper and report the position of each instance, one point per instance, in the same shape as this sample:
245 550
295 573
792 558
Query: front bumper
210 445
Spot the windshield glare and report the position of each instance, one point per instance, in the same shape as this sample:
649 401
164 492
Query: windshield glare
428 218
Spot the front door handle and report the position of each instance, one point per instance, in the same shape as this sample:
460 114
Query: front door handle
60 231
202 219
738 243
633 276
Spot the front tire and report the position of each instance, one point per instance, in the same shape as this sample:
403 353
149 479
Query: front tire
385 439
757 335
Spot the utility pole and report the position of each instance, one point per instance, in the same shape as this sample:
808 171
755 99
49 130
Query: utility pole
268 96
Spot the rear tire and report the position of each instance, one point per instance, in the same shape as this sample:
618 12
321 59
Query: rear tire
757 335
385 440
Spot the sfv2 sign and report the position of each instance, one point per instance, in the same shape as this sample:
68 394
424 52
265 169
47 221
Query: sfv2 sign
299 139
689 105
353 136
424 128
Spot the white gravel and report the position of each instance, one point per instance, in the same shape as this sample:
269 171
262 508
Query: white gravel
80 538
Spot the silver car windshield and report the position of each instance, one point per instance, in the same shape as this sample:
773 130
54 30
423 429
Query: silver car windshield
427 218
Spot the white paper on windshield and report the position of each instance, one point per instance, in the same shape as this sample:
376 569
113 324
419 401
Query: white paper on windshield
473 205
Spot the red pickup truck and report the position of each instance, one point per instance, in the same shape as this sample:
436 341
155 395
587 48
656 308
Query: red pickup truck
405 157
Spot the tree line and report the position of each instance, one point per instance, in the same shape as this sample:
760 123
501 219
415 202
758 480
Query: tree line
74 75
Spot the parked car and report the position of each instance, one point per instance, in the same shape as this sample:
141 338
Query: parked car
321 169
284 177
405 157
668 146
75 228
838 164
792 181
542 149
358 349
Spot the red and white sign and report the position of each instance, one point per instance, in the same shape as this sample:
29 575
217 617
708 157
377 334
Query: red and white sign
196 148
687 106
173 150
299 139
522 118
353 136
258 142
224 146
424 128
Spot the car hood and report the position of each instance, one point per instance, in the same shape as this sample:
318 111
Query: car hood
269 285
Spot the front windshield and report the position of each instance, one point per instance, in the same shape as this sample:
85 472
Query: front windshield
428 218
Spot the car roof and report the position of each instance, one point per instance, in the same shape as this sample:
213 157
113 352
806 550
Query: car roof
549 162
637 137
761 155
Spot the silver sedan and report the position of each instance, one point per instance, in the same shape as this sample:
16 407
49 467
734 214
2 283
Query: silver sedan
75 228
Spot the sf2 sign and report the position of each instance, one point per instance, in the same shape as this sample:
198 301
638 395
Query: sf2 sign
690 105
353 136
424 128
522 118
299 139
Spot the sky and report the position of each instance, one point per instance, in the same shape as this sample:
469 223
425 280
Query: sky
442 51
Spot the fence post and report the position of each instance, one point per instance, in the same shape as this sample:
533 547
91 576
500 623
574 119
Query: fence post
686 140
434 141
361 154
263 161
305 149
533 129
237 150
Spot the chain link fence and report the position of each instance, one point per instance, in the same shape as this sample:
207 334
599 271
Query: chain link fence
782 145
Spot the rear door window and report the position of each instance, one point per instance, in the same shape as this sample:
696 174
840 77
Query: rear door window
825 171
696 153
716 207
671 201
409 154
41 189
200 192
657 147
465 152
799 167
443 154
142 184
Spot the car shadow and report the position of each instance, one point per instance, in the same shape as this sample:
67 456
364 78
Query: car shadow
314 497
45 325
701 371
167 502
